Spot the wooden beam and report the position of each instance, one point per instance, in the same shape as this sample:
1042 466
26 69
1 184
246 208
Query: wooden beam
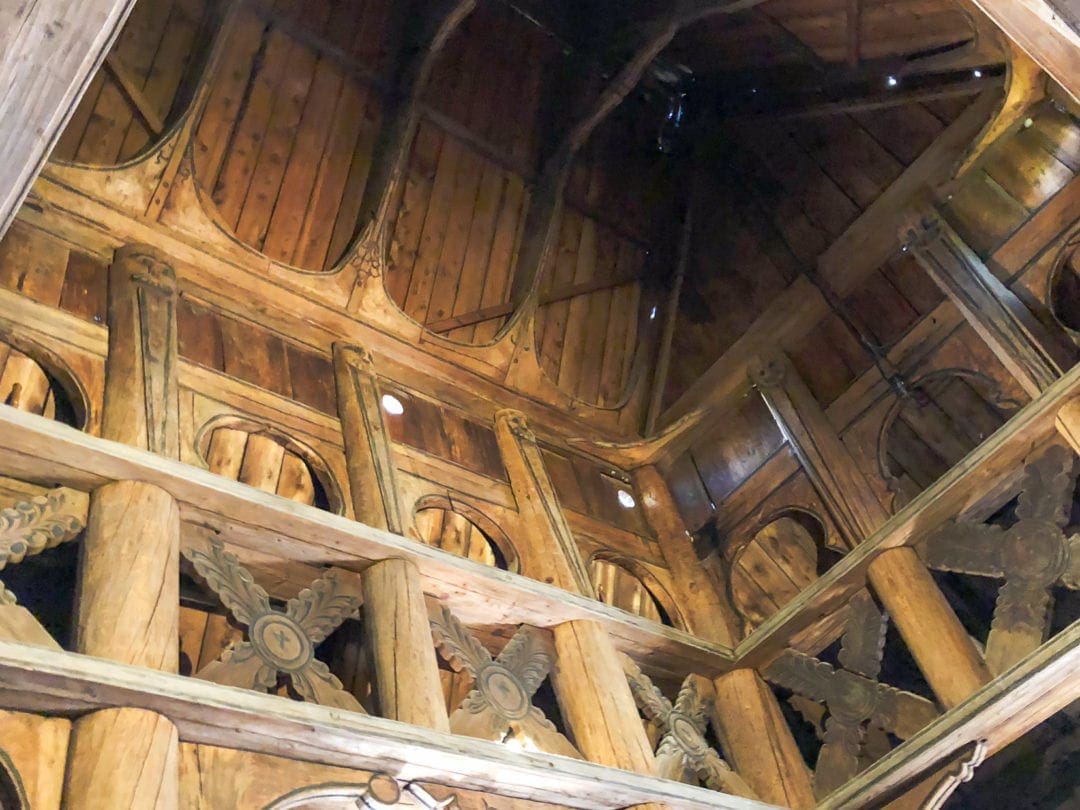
208 713
1043 34
35 448
1006 708
671 318
994 466
1014 335
134 95
49 51
854 33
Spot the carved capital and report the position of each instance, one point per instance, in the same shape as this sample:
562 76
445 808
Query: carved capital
146 265
517 423
356 356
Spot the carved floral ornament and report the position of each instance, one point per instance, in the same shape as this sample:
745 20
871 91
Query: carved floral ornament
380 791
32 526
278 641
1032 556
855 702
500 702
683 745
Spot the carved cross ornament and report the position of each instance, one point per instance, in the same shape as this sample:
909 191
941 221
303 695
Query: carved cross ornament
1031 556
30 527
277 641
683 745
852 696
501 699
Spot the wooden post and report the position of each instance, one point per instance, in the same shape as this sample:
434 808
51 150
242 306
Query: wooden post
941 647
746 714
49 50
399 638
562 565
128 611
596 701
1016 338
367 441
141 390
1068 423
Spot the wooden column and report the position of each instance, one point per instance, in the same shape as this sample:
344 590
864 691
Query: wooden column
141 391
596 701
748 718
1014 335
49 51
941 647
367 441
560 562
128 611
399 638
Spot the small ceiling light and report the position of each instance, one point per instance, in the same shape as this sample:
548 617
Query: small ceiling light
892 81
652 314
976 73
392 405
626 500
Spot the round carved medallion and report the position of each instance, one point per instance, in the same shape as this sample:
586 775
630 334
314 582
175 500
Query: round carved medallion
281 641
1033 551
503 691
684 730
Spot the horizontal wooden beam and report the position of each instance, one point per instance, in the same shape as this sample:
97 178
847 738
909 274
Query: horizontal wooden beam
552 297
37 679
989 471
37 449
1006 708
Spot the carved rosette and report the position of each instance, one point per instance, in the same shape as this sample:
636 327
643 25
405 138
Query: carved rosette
855 703
1032 556
32 526
501 699
683 726
277 641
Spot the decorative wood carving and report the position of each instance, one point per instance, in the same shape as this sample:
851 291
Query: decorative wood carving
142 392
278 641
30 527
380 791
1032 556
367 441
683 744
501 698
852 695
963 771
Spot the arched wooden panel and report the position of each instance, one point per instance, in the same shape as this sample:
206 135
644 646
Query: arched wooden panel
284 143
267 462
771 570
455 533
25 385
1064 290
144 84
618 587
949 414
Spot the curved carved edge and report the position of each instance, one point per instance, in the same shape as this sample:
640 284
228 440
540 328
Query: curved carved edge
456 644
43 522
963 771
380 787
231 581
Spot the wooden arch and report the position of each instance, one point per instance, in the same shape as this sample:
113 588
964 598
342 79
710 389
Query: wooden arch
503 551
45 385
224 445
12 791
633 588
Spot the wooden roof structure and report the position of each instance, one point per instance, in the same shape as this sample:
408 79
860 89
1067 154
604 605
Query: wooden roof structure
504 403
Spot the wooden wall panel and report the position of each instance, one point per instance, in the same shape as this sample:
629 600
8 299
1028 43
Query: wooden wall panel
146 82
284 144
444 433
255 355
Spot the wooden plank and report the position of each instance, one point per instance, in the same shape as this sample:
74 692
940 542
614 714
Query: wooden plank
1043 34
208 713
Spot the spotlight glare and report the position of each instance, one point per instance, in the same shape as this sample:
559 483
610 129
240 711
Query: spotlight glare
892 81
626 500
392 405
